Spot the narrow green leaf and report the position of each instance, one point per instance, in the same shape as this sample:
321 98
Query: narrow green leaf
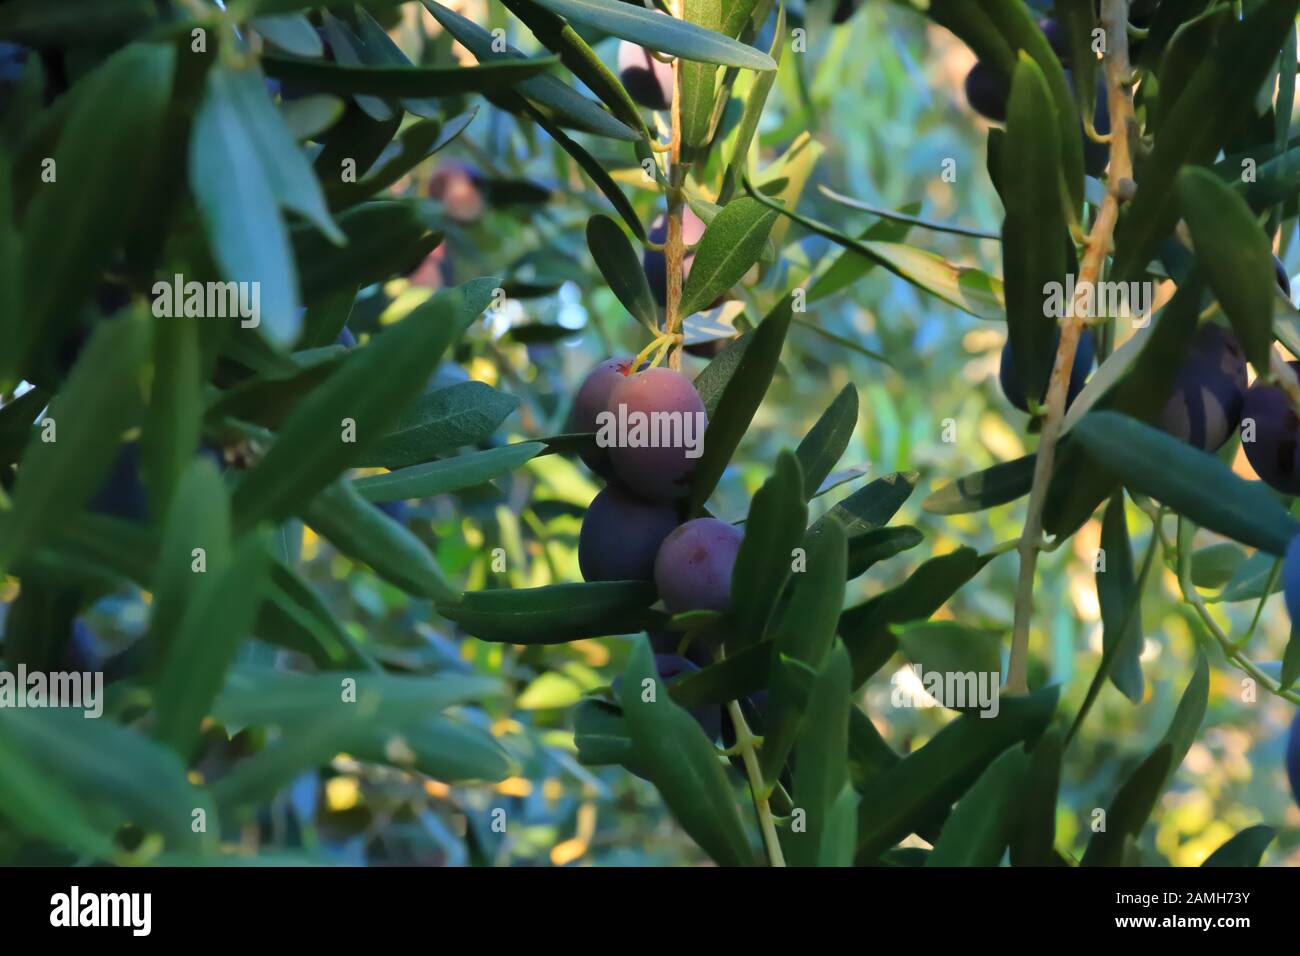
865 627
236 193
658 31
555 614
948 650
822 447
682 762
116 775
214 623
440 422
1117 593
422 82
741 396
732 244
803 636
198 520
998 485
821 773
980 827
448 750
921 787
101 161
99 401
777 518
619 263
351 411
1034 234
1235 256
1128 812
1244 849
448 474
1034 832
547 90
363 532
1188 480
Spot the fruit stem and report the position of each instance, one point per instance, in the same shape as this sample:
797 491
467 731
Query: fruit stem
745 742
673 251
1193 599
1114 18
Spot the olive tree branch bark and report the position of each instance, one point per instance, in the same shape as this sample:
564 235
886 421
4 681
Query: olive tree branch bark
745 745
1114 19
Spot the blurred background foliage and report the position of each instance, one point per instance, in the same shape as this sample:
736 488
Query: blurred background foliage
881 97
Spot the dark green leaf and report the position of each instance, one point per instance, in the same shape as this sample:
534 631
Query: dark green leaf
1188 480
621 266
821 773
1119 598
1236 257
215 621
923 785
980 827
440 422
1244 849
1034 234
801 641
449 474
999 485
97 404
555 614
682 762
363 532
352 410
777 518
741 396
658 31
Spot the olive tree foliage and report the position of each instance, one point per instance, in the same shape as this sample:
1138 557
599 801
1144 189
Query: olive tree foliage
194 201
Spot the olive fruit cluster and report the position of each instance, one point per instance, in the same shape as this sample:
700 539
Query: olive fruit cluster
633 529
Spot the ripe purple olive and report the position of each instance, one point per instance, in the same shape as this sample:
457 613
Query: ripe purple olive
399 511
592 399
1270 435
1014 390
647 80
656 266
459 188
694 566
83 651
621 535
122 493
1205 407
987 91
669 642
1293 758
654 432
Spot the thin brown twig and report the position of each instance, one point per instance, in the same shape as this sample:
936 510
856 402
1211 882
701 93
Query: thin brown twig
1114 18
